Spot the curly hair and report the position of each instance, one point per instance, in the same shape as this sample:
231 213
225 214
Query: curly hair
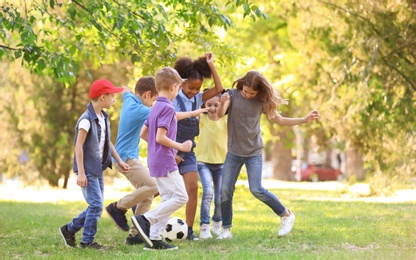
266 93
193 69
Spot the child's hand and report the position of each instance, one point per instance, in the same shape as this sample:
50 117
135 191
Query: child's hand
178 159
210 57
124 166
225 97
186 146
127 89
82 180
313 115
197 112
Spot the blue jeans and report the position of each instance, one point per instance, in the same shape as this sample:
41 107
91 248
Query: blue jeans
254 166
208 174
94 196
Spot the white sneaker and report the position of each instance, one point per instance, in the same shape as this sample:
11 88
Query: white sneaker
216 227
286 224
204 232
225 234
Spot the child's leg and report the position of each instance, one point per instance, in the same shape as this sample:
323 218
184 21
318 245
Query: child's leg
232 168
217 170
254 167
144 184
205 176
94 195
173 194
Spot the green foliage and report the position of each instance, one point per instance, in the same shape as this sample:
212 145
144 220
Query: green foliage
57 38
323 230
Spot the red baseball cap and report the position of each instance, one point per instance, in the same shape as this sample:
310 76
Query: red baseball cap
103 86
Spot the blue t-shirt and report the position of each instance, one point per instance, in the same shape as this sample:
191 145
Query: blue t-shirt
132 117
188 102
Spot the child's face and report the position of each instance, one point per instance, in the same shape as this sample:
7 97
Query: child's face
212 104
108 100
248 93
191 87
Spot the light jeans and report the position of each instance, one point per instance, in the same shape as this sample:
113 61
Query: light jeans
254 166
173 194
210 174
94 196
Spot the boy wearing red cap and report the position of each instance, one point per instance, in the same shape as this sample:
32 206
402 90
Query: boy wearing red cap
93 152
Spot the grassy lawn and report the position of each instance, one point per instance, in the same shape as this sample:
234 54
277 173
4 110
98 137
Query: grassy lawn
322 230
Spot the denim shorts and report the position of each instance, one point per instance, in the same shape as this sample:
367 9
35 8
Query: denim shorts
189 163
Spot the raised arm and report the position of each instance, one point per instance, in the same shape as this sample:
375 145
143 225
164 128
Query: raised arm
224 104
287 121
126 89
217 80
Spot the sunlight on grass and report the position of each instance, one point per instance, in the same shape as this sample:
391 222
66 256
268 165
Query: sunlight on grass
324 229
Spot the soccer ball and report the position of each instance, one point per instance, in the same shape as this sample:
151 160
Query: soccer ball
176 229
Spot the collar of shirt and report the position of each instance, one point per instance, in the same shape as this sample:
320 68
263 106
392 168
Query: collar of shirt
185 98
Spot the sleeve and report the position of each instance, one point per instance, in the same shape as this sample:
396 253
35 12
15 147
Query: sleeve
84 124
165 118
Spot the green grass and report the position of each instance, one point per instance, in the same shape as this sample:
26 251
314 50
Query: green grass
323 230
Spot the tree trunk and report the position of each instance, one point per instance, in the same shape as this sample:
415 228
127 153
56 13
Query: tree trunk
354 163
281 155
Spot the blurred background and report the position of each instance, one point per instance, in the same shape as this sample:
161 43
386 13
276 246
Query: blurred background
353 61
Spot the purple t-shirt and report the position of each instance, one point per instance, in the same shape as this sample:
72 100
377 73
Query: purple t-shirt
161 159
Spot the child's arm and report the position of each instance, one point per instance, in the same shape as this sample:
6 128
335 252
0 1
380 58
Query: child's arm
286 121
162 139
126 89
224 104
217 80
194 113
144 132
120 162
82 180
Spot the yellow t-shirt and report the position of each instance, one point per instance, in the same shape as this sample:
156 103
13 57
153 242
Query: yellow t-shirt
212 140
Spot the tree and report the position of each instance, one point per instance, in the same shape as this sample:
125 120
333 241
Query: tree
361 55
68 44
56 38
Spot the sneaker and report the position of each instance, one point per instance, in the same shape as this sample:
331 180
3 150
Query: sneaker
191 236
204 232
286 224
216 227
93 245
118 216
159 245
69 238
143 226
225 234
133 240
